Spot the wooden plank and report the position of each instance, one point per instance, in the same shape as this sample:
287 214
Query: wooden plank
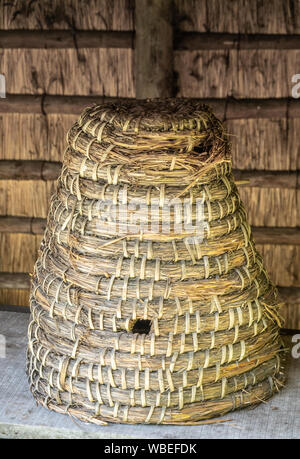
27 103
226 109
25 225
260 108
290 294
57 39
153 49
265 179
47 170
29 170
204 41
273 235
235 109
14 280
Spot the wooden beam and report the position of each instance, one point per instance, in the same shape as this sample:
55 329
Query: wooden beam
47 104
225 109
193 41
276 235
267 179
262 235
27 225
153 48
16 281
66 39
29 170
289 331
232 109
290 294
46 170
36 39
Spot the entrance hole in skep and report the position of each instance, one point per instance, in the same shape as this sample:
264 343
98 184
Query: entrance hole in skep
141 326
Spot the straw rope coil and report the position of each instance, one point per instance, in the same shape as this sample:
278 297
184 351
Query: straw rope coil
149 301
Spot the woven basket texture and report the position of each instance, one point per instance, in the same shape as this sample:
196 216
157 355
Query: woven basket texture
149 300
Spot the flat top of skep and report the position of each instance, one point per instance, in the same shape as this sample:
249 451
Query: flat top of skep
155 115
146 135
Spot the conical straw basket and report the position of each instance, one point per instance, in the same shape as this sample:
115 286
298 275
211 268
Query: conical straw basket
149 301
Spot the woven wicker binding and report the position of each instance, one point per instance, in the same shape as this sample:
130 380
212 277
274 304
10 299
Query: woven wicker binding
136 324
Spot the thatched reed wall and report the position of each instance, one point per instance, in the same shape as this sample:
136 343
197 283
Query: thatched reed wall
231 71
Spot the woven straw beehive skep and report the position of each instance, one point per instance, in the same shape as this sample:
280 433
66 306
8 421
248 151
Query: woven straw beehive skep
149 301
